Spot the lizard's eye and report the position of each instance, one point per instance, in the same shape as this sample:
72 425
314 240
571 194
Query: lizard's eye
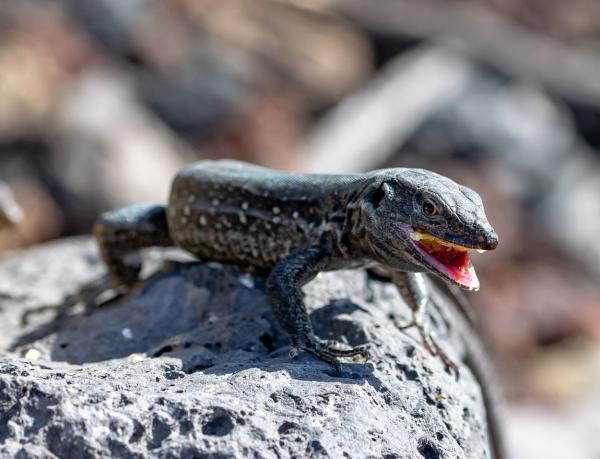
429 208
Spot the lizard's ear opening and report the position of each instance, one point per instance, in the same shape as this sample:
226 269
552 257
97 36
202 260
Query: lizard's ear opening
372 201
382 192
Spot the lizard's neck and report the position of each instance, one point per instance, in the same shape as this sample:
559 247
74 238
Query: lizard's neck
354 239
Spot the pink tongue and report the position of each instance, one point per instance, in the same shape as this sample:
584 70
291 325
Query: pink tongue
468 278
456 262
457 259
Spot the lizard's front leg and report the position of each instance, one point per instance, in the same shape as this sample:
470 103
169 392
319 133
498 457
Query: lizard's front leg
413 289
285 294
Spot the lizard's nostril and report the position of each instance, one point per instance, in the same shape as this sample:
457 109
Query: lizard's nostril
491 240
487 239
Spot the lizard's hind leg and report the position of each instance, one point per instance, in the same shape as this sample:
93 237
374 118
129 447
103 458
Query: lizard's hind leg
121 234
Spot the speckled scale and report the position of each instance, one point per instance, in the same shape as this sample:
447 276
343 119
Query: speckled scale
235 212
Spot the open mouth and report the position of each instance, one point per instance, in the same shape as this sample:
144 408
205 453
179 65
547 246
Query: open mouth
451 260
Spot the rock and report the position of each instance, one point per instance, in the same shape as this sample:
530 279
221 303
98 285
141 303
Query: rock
192 364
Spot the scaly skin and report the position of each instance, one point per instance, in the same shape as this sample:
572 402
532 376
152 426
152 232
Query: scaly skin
295 225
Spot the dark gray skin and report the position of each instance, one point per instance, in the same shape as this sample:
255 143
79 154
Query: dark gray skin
293 226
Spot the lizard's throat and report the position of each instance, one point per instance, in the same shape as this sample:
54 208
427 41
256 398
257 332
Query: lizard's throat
450 260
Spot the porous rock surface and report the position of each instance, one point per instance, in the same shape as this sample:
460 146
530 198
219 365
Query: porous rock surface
192 365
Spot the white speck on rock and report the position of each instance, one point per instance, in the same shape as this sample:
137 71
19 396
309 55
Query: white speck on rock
127 333
246 281
33 354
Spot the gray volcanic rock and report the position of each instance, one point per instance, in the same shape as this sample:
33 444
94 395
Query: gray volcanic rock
192 364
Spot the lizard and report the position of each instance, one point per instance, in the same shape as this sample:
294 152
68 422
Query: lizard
291 226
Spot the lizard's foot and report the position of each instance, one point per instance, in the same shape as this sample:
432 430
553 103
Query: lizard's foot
329 351
429 340
435 349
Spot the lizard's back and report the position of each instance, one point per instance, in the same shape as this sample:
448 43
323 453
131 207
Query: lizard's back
235 212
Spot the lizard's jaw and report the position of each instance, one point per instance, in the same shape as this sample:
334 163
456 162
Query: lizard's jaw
447 259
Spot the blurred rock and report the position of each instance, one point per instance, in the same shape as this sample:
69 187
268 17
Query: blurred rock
556 433
29 85
39 51
567 375
574 21
194 98
200 63
369 126
267 130
322 54
40 218
10 212
572 210
488 37
111 149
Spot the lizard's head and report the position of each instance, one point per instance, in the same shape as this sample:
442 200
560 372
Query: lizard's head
428 220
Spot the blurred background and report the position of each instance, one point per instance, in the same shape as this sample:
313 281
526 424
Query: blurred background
102 101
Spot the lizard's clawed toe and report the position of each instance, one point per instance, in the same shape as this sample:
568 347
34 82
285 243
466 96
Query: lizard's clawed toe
429 341
330 351
327 356
293 353
435 349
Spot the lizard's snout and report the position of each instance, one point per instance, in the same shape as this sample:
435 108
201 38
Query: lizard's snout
488 239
